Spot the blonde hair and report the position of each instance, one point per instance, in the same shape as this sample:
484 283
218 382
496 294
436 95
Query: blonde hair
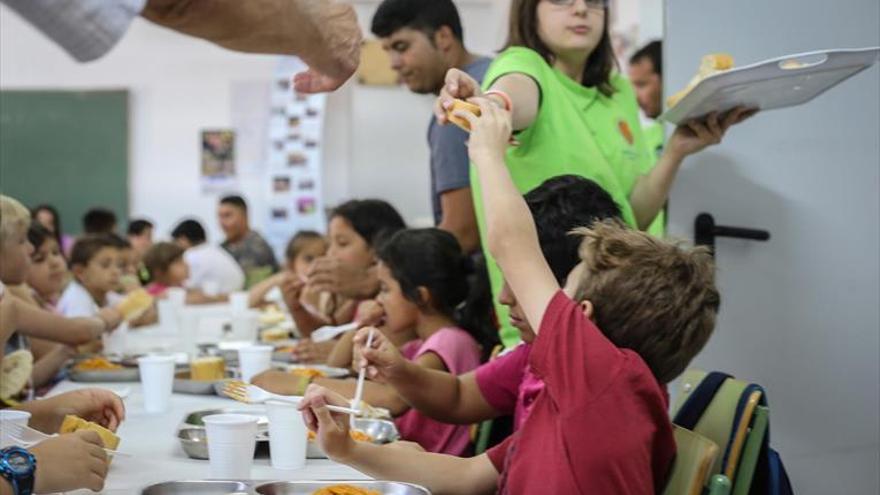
655 297
14 218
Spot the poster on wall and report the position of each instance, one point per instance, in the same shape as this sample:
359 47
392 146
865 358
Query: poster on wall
217 172
294 158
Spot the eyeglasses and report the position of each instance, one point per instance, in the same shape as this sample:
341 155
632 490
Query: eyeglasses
591 4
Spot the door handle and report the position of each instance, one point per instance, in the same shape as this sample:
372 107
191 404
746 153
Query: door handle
706 230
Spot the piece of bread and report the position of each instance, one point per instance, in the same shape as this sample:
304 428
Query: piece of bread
711 64
465 106
15 371
134 304
274 334
73 423
208 368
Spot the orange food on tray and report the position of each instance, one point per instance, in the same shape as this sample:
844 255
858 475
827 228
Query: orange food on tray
344 490
96 364
356 435
308 372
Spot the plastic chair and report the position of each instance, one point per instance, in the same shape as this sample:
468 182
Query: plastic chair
745 473
717 421
694 458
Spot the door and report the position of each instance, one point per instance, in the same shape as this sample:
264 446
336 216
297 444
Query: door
799 313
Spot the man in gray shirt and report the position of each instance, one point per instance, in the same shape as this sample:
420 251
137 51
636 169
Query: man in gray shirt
425 40
252 253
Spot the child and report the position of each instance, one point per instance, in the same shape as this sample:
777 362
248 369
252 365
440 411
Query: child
94 261
48 270
129 261
354 230
505 386
211 268
633 314
301 252
164 261
423 280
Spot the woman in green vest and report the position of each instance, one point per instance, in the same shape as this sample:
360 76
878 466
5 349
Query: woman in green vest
573 113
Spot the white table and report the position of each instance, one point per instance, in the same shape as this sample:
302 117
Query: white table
151 438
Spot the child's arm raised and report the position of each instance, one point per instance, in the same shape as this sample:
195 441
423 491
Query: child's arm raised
511 234
439 473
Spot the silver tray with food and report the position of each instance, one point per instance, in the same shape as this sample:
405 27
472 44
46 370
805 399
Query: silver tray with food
315 370
101 369
185 384
251 487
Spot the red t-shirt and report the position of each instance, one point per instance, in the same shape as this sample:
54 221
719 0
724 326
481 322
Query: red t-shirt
600 425
508 384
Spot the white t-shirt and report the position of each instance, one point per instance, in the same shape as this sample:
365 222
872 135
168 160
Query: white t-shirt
76 301
213 270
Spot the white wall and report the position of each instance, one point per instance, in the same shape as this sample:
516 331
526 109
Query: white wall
179 85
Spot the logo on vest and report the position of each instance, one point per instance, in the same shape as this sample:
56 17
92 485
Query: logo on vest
626 132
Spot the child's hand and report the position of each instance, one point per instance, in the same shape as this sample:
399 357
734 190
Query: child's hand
331 428
369 314
458 85
111 316
382 359
291 290
490 132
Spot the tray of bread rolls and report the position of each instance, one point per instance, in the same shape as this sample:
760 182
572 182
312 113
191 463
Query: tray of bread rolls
775 83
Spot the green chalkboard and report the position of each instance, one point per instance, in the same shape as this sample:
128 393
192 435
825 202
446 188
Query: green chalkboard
65 148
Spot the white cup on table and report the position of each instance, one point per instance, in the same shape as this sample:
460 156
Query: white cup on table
238 302
245 326
157 380
232 439
253 360
288 436
177 296
11 417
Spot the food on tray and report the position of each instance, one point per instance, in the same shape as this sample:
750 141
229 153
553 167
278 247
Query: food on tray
308 372
15 373
711 64
285 348
344 490
274 334
134 304
208 368
73 423
96 364
461 105
370 412
356 435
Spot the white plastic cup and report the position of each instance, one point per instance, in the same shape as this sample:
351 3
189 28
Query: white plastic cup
288 436
254 360
232 439
11 417
238 302
187 330
167 315
177 296
116 342
157 379
245 326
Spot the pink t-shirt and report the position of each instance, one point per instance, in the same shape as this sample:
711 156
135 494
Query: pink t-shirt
460 353
508 384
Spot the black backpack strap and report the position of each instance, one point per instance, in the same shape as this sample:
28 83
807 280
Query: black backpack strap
692 409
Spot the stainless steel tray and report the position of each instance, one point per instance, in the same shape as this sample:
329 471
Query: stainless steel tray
249 487
329 371
183 384
309 487
121 375
199 487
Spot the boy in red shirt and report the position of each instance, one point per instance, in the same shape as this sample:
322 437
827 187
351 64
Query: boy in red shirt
632 315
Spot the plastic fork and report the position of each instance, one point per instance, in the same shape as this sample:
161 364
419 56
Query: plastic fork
252 394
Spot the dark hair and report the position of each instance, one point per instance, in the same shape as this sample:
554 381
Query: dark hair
137 227
561 204
299 241
87 247
191 230
523 31
99 221
424 15
56 221
160 256
432 258
372 219
653 51
37 234
119 241
234 200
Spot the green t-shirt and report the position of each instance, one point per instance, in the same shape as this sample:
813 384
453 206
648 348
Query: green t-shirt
577 131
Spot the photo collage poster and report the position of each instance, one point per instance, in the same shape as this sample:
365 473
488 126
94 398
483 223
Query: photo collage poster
296 124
